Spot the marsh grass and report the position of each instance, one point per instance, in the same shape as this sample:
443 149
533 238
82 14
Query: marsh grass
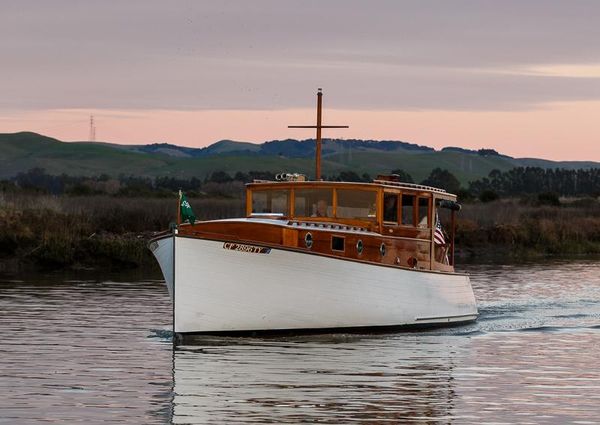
516 228
112 232
92 231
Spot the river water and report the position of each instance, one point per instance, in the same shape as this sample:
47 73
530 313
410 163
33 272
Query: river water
98 350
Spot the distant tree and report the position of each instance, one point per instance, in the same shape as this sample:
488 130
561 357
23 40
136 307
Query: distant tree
488 196
82 189
7 186
534 180
37 179
261 175
443 179
241 177
464 195
487 152
403 176
348 176
220 177
548 198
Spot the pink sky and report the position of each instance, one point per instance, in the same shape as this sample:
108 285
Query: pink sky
559 131
521 77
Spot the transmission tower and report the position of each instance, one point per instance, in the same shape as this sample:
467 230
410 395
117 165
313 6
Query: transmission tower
92 129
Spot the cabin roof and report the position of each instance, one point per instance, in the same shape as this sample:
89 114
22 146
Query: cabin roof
372 185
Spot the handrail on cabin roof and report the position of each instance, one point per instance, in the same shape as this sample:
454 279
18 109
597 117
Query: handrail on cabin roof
409 185
376 181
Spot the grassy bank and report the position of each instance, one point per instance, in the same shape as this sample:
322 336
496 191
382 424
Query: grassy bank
517 229
111 233
90 232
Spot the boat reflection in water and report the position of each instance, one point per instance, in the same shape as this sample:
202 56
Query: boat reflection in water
329 378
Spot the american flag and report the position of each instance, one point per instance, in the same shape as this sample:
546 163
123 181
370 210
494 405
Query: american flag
438 235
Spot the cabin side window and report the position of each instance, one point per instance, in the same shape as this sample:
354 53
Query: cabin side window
313 202
423 212
270 202
390 207
408 209
356 204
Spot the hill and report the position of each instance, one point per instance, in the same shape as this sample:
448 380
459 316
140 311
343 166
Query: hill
22 151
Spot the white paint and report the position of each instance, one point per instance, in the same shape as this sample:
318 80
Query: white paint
163 252
218 289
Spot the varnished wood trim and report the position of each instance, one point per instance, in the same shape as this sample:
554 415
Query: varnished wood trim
334 201
248 202
305 251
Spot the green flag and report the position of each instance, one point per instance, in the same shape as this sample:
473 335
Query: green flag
186 210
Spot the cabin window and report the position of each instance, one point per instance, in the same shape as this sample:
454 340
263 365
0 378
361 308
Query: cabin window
270 202
337 243
356 204
408 210
424 212
390 207
313 203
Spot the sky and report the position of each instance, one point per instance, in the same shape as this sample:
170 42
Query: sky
521 77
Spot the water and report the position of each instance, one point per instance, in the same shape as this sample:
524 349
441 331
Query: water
99 351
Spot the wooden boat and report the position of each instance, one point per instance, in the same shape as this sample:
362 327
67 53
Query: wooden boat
319 256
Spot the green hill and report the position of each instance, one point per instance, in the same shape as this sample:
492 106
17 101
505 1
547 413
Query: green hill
23 151
20 152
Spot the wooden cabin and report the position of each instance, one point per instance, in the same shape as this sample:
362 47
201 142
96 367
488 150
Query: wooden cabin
385 222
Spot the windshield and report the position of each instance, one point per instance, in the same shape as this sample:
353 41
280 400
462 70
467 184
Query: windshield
270 202
356 204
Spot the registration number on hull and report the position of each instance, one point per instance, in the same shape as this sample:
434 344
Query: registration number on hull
246 248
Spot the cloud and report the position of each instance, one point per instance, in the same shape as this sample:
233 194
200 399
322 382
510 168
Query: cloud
186 55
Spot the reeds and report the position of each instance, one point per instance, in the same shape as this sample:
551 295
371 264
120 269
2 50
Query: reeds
92 231
511 227
112 232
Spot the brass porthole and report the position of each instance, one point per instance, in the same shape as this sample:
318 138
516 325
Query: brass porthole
382 249
308 240
359 247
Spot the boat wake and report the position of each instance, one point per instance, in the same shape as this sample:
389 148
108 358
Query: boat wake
548 315
162 334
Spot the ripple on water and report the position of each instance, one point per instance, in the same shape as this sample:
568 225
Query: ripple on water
96 350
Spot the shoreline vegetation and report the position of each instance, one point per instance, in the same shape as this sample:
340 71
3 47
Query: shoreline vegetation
59 223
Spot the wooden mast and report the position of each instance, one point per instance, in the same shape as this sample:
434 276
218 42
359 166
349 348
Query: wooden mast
319 127
319 122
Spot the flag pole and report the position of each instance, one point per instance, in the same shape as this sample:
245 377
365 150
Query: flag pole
179 209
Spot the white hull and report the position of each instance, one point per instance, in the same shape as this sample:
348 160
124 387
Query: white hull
221 290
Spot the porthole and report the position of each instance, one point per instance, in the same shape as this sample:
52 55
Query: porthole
359 247
382 249
308 240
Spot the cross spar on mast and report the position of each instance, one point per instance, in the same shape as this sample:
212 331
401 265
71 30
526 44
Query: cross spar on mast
319 126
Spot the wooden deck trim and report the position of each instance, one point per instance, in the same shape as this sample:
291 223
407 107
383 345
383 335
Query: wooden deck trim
309 252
